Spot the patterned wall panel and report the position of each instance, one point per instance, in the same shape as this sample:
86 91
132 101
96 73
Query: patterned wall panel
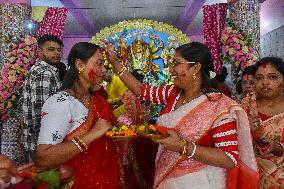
272 43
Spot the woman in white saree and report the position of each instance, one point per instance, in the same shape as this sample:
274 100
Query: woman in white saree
209 143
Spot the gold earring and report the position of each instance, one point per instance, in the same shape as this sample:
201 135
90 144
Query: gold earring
80 70
194 76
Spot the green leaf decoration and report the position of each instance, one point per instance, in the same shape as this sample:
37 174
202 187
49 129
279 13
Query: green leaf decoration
226 59
6 103
276 138
12 113
249 44
52 177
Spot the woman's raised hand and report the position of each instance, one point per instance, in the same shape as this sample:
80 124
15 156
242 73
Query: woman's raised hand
100 128
109 48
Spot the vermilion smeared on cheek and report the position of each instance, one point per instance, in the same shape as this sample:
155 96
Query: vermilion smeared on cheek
93 74
182 74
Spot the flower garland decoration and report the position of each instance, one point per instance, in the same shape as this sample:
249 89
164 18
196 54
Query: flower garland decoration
18 61
54 22
238 48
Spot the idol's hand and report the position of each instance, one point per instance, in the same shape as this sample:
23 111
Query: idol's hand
173 142
100 128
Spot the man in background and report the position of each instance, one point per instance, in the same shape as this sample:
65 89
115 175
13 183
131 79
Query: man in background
41 82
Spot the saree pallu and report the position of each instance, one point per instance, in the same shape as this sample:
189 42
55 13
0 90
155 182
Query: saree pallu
191 126
98 166
271 167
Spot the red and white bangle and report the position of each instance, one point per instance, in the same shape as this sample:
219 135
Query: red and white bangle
82 146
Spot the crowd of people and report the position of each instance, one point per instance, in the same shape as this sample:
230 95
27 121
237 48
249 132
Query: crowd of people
212 140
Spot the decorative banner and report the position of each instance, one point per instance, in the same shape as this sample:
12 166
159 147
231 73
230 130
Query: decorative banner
38 13
146 46
12 25
54 22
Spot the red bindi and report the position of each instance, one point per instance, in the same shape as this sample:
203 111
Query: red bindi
264 65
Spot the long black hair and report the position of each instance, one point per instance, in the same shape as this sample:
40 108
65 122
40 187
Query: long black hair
200 53
82 51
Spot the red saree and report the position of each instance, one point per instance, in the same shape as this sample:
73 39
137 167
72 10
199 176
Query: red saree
271 166
97 167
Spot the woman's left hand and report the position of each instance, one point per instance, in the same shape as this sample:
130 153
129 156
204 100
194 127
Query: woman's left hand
273 147
173 142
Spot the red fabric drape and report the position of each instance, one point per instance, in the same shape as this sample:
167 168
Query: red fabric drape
214 21
98 166
53 22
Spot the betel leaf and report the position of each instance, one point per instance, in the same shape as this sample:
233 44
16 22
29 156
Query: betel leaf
50 176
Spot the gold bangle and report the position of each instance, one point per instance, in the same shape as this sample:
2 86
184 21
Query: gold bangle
119 73
122 73
77 144
185 148
80 141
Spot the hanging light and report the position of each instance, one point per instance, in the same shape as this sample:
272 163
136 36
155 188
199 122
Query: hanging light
30 27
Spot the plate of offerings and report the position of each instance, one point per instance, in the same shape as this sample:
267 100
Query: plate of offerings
149 131
123 132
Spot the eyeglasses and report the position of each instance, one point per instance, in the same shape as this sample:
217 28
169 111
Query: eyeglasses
176 62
